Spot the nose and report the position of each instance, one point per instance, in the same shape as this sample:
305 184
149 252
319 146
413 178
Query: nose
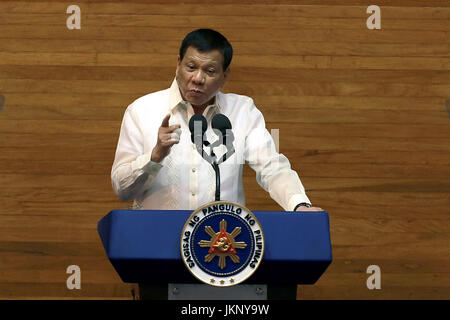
199 77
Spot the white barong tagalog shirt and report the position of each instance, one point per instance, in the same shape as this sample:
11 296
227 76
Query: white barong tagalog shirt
184 180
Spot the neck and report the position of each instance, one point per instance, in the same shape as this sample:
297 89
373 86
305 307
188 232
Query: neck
201 108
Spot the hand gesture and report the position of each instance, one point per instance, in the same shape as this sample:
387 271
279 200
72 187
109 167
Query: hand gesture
167 137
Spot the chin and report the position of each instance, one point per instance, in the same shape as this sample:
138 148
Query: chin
196 102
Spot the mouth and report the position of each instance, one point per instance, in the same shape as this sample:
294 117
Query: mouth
195 92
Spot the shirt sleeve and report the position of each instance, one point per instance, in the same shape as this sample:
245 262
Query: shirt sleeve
273 170
132 171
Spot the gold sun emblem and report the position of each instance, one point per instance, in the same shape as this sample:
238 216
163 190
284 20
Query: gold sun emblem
222 244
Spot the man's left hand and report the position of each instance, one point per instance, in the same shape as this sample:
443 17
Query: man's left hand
303 208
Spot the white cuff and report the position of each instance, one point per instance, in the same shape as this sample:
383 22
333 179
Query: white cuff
145 164
295 200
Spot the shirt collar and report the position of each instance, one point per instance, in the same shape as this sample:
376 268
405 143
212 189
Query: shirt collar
176 100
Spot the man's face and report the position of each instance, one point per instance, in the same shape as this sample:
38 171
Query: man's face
200 75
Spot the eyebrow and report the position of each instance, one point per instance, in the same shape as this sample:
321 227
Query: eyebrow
210 64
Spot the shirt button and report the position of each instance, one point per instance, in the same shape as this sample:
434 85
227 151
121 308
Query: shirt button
193 194
193 169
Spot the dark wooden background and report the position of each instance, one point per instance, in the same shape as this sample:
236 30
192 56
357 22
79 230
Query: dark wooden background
360 112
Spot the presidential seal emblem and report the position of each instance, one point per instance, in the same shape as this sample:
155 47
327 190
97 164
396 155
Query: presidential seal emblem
222 243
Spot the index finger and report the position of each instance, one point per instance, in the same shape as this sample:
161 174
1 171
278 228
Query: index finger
165 122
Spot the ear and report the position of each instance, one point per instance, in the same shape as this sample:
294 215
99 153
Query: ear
227 72
178 65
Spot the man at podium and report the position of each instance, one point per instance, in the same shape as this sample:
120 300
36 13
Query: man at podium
156 163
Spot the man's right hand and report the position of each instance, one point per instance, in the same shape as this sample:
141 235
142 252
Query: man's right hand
167 137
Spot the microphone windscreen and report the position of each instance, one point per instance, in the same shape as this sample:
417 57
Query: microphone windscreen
198 117
220 122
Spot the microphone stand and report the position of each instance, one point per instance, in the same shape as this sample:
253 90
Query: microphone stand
215 166
217 170
212 160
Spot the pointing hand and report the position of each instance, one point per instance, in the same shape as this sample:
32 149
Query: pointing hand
167 137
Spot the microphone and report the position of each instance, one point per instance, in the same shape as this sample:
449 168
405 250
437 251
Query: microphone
198 127
221 122
222 125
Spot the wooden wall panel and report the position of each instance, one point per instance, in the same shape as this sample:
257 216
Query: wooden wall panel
360 114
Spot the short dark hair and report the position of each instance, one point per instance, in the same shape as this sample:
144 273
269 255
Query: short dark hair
207 40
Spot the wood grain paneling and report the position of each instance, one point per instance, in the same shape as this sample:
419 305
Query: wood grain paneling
360 115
